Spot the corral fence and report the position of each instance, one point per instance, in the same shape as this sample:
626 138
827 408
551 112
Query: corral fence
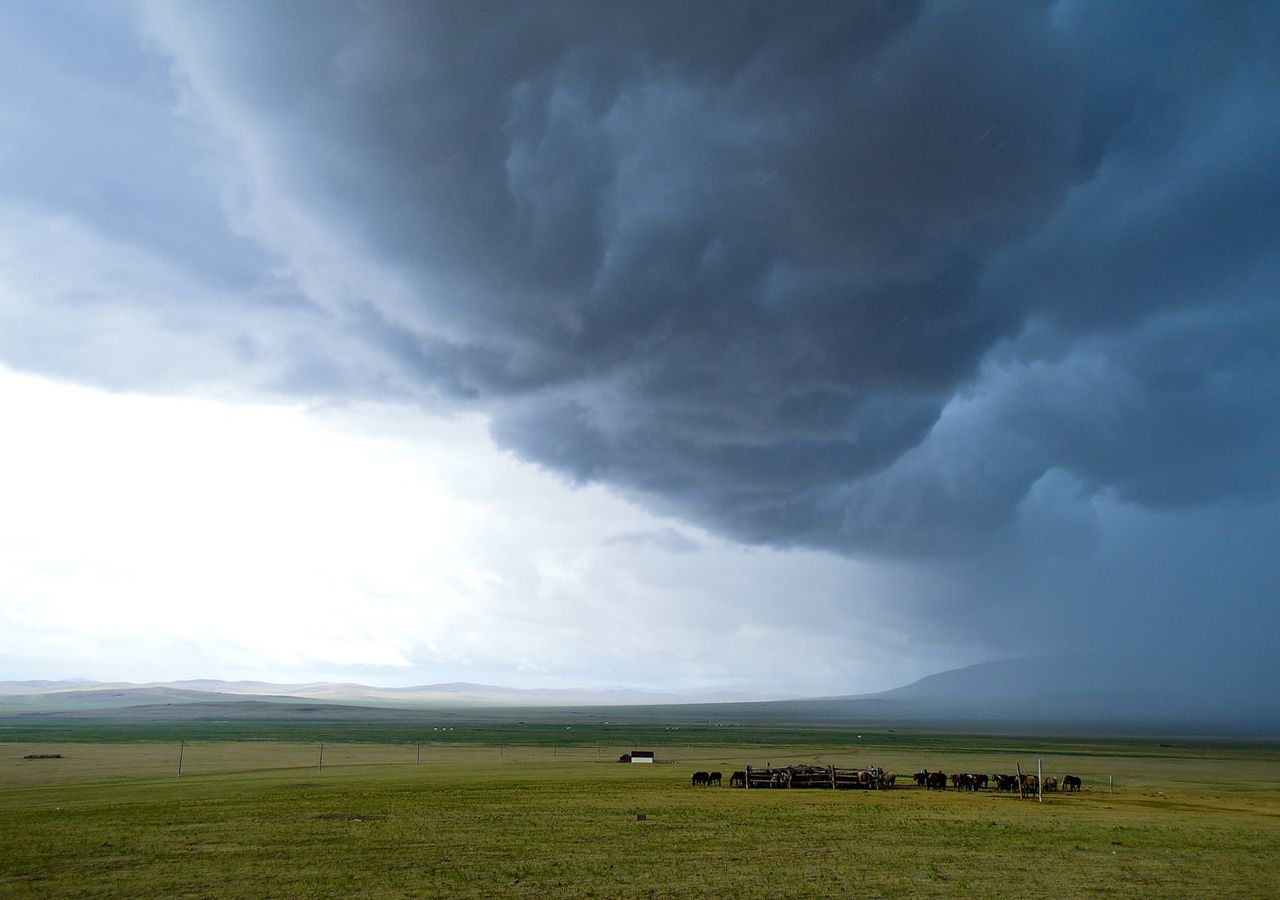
821 777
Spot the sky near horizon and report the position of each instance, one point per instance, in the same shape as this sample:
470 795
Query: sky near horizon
810 348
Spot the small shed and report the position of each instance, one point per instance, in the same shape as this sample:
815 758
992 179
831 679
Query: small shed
642 756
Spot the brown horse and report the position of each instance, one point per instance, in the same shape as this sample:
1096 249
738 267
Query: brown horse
1071 782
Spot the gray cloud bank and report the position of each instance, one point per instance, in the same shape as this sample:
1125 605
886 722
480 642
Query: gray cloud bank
855 276
890 279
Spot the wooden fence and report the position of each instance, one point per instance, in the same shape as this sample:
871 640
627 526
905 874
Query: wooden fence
822 777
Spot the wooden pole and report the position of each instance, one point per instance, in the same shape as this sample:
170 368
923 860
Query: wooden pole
1021 793
1111 788
418 758
748 784
182 746
321 769
1039 779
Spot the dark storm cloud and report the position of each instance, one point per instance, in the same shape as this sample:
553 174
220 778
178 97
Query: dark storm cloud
843 275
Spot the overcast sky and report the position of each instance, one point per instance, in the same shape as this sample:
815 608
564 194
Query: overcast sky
811 346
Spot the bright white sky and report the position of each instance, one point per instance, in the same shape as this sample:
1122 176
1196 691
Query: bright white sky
153 538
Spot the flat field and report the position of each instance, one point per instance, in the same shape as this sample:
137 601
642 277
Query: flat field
558 817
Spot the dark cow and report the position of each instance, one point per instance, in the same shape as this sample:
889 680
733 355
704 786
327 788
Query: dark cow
921 777
1071 782
738 779
701 779
714 779
937 781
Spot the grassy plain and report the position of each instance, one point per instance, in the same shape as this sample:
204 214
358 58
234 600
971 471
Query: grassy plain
484 814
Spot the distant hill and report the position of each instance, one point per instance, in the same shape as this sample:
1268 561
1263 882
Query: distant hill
1069 692
107 697
80 694
464 693
1085 687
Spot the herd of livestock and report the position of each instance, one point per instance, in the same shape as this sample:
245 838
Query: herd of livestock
973 781
875 778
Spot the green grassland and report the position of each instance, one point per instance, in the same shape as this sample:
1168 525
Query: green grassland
500 811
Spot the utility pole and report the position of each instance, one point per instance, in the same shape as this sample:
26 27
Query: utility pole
182 746
321 769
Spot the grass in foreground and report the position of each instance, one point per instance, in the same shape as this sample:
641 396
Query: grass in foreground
261 819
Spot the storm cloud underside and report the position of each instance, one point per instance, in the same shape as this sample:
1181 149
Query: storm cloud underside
741 259
988 287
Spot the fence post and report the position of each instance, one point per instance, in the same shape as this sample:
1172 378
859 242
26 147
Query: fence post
1039 780
182 746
